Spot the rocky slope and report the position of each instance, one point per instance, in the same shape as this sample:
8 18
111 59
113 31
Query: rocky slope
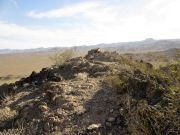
102 93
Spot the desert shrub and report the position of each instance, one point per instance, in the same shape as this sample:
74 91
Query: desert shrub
60 58
154 121
115 82
150 97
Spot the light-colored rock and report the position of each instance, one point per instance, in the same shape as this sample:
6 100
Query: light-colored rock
43 108
81 76
56 133
121 111
93 127
25 85
80 110
15 87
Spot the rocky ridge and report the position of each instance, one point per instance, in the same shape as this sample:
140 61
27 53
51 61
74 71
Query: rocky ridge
102 93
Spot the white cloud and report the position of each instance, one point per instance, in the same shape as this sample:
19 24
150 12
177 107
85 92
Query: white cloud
101 22
14 36
67 11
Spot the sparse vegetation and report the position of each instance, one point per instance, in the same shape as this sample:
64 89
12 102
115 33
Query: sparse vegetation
60 58
102 93
153 95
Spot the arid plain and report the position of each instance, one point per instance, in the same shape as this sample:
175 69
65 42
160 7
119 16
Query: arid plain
18 65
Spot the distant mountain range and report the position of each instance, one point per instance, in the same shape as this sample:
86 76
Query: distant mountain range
147 45
7 51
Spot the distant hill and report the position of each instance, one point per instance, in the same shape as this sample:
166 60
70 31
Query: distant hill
7 51
157 58
147 45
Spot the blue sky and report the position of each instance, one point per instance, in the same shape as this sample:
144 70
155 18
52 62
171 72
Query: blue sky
49 23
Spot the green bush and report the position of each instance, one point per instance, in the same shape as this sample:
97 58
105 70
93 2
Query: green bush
60 58
115 82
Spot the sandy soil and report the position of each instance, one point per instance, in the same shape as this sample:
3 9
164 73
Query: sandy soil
15 66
